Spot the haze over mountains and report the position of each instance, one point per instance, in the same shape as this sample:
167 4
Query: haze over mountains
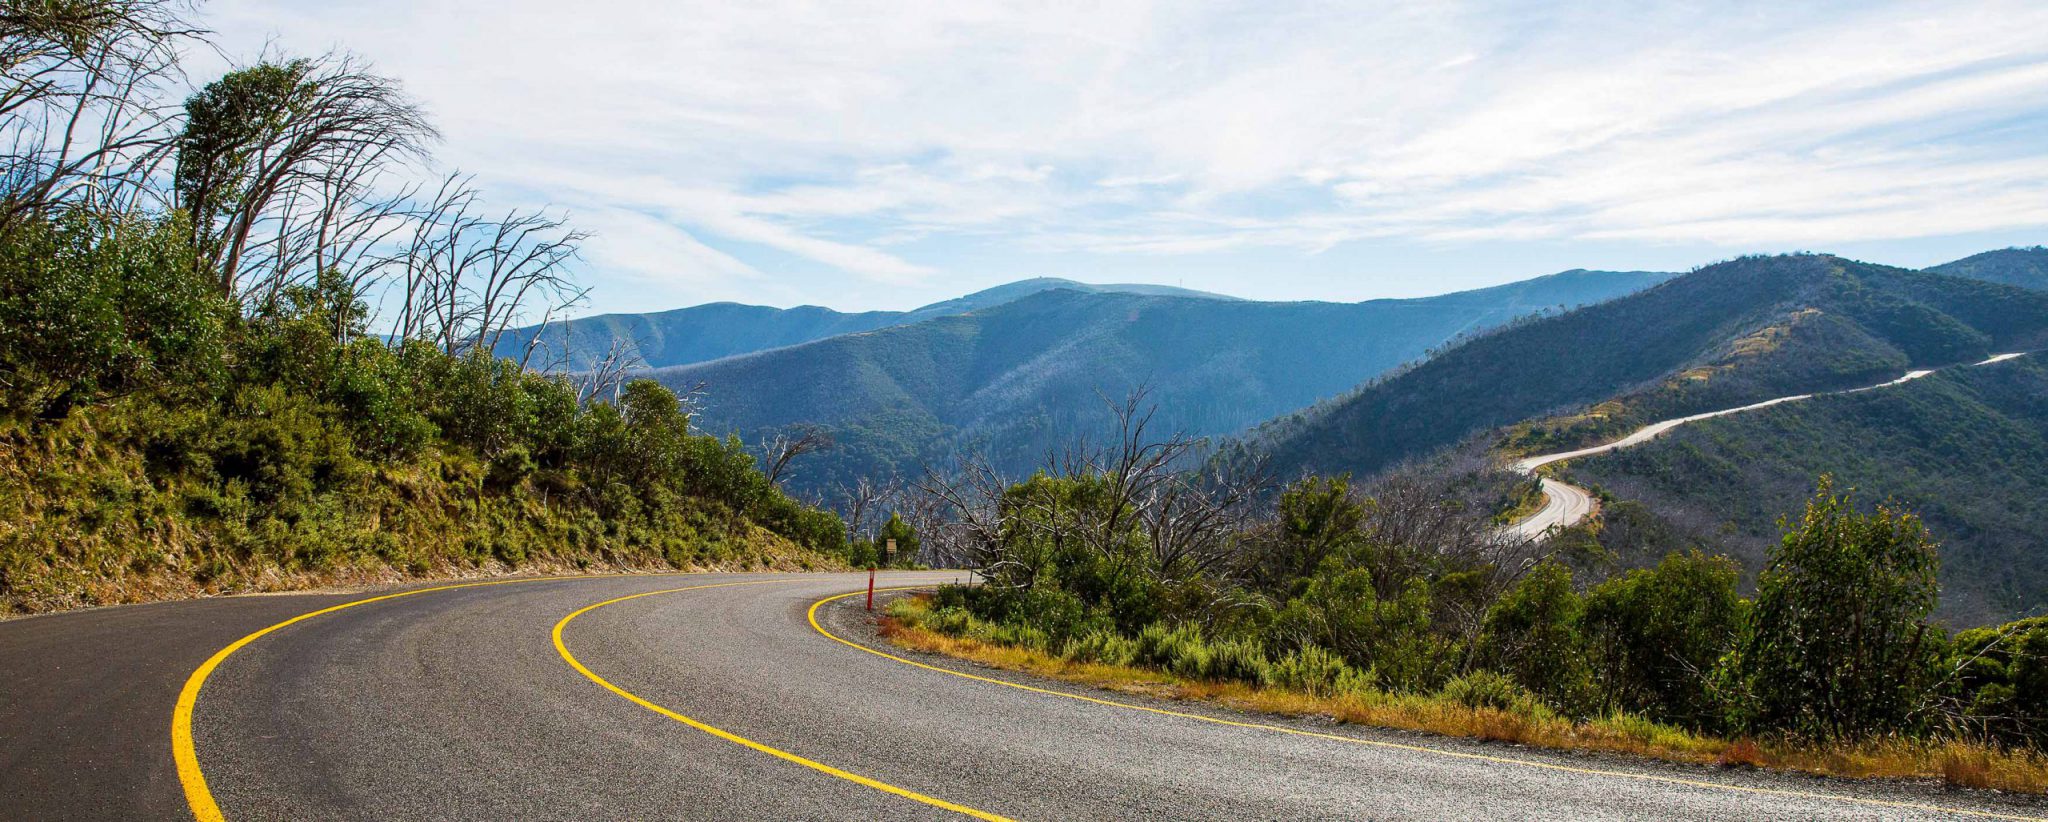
706 332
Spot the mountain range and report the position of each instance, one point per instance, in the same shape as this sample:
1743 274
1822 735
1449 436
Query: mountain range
1023 377
711 331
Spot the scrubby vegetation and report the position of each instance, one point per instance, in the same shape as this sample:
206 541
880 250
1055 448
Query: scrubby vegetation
191 395
1403 594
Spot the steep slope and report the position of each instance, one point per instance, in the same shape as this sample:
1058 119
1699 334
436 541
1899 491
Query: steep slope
707 332
1028 375
1967 448
1725 335
2023 267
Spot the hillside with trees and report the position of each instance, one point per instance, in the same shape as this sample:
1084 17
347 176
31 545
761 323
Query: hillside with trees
1967 448
1722 336
1030 375
2023 267
192 399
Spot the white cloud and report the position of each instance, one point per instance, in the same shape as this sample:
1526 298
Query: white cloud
778 142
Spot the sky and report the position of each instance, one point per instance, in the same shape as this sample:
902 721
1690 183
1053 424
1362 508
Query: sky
891 154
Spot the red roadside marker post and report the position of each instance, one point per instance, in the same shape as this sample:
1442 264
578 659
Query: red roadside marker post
871 588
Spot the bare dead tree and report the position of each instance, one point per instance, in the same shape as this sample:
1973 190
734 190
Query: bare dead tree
80 92
466 279
960 515
857 502
783 449
610 371
1137 502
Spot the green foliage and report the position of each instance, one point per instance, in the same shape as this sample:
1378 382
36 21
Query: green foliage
1311 669
905 537
171 444
1318 519
1533 636
1655 635
226 124
1394 637
1484 689
1103 645
93 308
2000 685
1836 645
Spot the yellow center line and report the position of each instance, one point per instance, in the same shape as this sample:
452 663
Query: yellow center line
186 755
1670 780
563 648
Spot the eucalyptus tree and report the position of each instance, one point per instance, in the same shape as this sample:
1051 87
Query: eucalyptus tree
277 164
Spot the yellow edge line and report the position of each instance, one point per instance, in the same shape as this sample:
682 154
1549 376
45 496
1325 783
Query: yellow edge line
197 796
1394 745
563 648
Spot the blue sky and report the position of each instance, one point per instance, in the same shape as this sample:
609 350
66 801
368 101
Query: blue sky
891 154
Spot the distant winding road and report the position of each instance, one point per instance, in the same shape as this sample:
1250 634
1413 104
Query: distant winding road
725 697
1565 505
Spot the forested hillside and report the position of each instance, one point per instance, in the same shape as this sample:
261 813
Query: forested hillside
2024 267
1966 448
191 397
1724 335
708 332
1030 375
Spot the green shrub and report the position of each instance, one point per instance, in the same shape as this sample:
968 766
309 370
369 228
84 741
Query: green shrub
1241 660
1488 690
1159 646
1532 635
1656 634
1311 669
1103 645
1836 646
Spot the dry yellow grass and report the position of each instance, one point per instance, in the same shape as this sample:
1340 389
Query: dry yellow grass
1954 763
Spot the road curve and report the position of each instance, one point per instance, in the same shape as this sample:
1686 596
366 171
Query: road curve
459 704
1565 505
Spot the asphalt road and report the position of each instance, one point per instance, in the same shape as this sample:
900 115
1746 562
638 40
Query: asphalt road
1565 505
458 704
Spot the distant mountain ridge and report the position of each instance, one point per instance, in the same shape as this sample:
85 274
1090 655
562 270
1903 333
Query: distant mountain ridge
1028 375
702 333
2023 267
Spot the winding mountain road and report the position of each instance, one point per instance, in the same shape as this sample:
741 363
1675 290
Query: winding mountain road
725 697
1565 505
